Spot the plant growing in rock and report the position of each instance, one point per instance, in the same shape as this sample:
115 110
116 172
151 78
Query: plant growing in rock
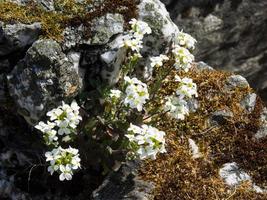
117 121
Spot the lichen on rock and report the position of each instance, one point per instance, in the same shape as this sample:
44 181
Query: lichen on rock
43 79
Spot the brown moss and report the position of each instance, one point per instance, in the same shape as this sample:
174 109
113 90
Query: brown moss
177 175
68 13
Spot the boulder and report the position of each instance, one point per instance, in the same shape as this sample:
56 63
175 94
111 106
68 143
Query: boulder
42 80
15 37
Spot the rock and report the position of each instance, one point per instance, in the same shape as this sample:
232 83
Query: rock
235 81
249 102
194 149
15 37
220 117
232 175
112 61
227 40
104 28
262 132
203 66
42 80
3 89
164 31
45 4
4 65
123 185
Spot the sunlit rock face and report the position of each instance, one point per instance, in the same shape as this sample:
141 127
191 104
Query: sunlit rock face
231 35
42 80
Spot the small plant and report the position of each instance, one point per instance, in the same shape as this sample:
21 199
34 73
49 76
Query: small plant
119 119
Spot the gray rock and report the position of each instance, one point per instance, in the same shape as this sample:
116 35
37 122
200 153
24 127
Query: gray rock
3 90
235 81
203 66
104 28
227 40
249 102
112 61
45 4
164 31
42 80
232 175
262 132
4 65
220 117
14 37
123 185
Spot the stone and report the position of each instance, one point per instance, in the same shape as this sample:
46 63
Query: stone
45 4
236 81
203 66
124 184
112 60
194 149
232 175
220 117
42 80
103 28
249 102
15 37
164 31
227 40
3 90
262 132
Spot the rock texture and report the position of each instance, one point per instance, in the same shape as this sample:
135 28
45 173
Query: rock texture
42 80
231 35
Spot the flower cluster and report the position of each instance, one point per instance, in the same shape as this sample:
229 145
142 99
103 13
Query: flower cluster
148 141
63 161
115 94
186 40
62 124
186 87
183 58
176 107
65 118
134 39
158 60
136 93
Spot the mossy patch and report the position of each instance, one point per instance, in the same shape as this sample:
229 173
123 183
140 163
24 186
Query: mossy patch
67 13
177 175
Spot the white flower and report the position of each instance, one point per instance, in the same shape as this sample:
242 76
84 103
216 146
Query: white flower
186 40
136 93
115 94
158 60
63 161
177 107
133 43
150 141
183 58
50 135
140 27
66 173
186 87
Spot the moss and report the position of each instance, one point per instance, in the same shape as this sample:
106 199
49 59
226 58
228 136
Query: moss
177 175
68 13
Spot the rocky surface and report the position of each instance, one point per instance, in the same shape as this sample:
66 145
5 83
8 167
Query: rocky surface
42 80
37 74
124 184
231 35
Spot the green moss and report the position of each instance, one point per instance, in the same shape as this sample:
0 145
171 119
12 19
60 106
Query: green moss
68 13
